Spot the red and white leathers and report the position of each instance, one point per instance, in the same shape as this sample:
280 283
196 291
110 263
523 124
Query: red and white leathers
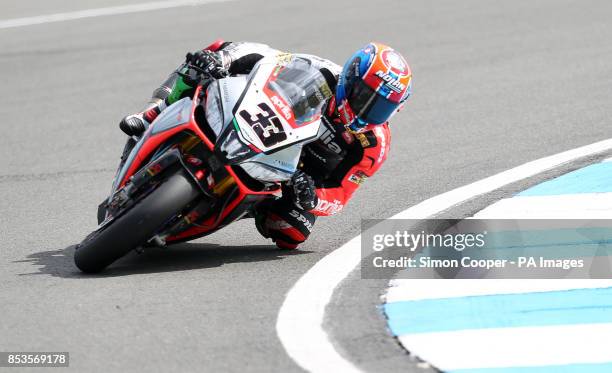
360 157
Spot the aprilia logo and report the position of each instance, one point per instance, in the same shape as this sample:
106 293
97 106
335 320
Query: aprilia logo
328 139
329 208
281 106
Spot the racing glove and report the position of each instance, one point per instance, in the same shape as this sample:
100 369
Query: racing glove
302 189
209 62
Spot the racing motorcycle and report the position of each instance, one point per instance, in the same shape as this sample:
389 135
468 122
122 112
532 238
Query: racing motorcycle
210 159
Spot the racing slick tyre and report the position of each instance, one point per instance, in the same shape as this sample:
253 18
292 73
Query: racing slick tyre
132 229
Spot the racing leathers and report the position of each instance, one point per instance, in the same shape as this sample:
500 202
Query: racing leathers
334 165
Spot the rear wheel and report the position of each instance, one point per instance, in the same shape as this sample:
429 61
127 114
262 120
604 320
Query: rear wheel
136 226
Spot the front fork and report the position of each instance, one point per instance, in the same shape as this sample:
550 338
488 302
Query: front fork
129 145
127 149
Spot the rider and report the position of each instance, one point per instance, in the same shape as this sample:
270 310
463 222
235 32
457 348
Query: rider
353 141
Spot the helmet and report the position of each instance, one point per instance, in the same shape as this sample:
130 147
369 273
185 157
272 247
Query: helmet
373 85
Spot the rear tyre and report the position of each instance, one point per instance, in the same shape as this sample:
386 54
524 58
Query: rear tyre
136 226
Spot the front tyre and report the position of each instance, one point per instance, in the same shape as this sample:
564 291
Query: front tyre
136 226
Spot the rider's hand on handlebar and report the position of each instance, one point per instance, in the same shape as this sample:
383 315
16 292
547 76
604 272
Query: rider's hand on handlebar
209 62
303 191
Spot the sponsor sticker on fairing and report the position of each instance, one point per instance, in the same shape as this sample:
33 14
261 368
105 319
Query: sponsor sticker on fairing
280 104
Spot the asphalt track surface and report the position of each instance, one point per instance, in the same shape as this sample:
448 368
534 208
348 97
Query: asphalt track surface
496 85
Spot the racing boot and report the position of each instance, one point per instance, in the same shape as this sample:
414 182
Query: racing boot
133 125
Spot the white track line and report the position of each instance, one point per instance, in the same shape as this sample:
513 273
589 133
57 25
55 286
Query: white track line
300 320
98 12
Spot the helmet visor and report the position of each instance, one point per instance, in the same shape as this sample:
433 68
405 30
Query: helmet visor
369 105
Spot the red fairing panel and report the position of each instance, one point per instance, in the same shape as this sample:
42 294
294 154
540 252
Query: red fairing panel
332 200
215 45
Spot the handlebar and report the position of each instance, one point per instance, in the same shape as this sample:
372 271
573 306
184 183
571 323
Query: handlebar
194 75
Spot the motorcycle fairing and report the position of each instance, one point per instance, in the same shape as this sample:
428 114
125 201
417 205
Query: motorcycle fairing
172 120
266 121
222 96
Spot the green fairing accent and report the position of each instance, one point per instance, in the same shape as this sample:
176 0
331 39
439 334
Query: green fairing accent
178 89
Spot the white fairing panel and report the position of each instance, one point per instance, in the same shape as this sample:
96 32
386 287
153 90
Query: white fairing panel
278 166
221 99
175 115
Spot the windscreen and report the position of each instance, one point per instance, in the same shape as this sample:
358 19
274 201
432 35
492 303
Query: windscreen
303 88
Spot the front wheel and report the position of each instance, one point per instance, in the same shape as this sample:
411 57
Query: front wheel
136 226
